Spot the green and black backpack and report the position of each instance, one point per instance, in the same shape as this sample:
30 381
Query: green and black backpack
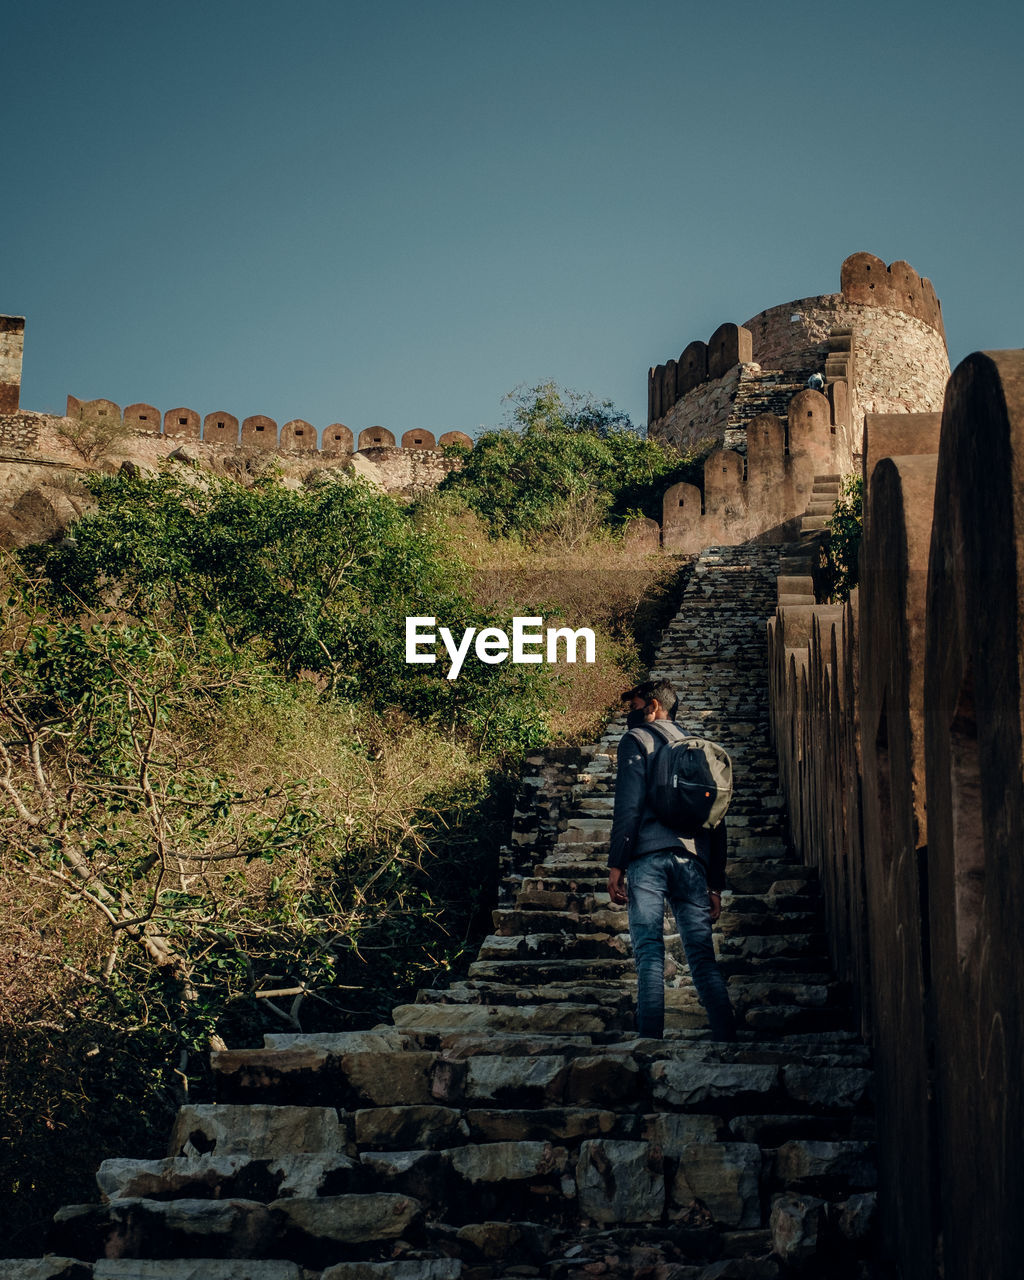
689 780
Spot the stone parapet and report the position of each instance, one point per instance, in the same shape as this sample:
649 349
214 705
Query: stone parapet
898 720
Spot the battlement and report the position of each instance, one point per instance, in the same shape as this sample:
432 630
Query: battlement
865 279
257 431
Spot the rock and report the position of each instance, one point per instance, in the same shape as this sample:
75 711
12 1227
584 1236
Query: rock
741 1269
688 1084
725 1176
795 1223
620 1182
48 1268
804 1162
508 1240
401 1079
515 1081
379 1040
260 1075
553 1020
184 1176
672 1131
185 455
186 1228
256 1131
857 1216
604 1080
420 1174
755 1243
829 1087
226 1177
507 1161
411 1269
348 1219
194 1269
408 1128
553 1125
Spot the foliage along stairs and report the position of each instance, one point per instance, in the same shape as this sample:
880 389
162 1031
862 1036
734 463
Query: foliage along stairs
513 1124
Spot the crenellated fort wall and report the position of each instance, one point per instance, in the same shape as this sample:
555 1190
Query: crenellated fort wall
257 431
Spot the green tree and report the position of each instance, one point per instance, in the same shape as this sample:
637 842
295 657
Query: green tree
564 458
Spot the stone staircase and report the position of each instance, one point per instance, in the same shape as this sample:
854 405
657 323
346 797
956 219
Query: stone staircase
512 1124
770 392
824 495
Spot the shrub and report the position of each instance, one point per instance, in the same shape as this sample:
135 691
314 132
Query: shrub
566 465
841 553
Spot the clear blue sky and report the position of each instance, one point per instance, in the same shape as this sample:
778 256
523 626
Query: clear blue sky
395 212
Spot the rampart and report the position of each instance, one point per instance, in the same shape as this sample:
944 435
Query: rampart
761 494
889 315
899 722
257 431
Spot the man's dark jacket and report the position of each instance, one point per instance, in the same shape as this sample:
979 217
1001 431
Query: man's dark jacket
635 829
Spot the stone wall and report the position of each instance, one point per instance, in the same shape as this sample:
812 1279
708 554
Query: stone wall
703 412
410 471
257 431
12 343
899 721
763 492
19 432
902 364
34 498
761 495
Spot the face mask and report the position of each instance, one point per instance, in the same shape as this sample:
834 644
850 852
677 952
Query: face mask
636 718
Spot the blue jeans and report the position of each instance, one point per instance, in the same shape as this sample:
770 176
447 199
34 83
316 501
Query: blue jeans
650 880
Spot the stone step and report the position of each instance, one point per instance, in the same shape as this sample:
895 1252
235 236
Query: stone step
751 875
782 913
257 1132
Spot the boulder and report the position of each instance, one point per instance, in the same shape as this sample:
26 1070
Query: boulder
689 1084
194 1269
620 1182
48 1268
801 1163
355 1219
408 1128
725 1176
604 1080
507 1161
856 1216
515 1081
256 1131
408 1269
508 1241
795 1223
827 1087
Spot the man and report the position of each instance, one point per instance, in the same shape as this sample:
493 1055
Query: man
649 864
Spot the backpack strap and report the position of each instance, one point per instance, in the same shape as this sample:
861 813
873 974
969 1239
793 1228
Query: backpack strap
653 735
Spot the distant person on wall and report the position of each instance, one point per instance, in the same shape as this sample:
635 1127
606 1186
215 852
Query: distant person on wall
650 864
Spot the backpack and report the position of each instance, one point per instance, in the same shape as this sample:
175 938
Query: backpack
689 784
